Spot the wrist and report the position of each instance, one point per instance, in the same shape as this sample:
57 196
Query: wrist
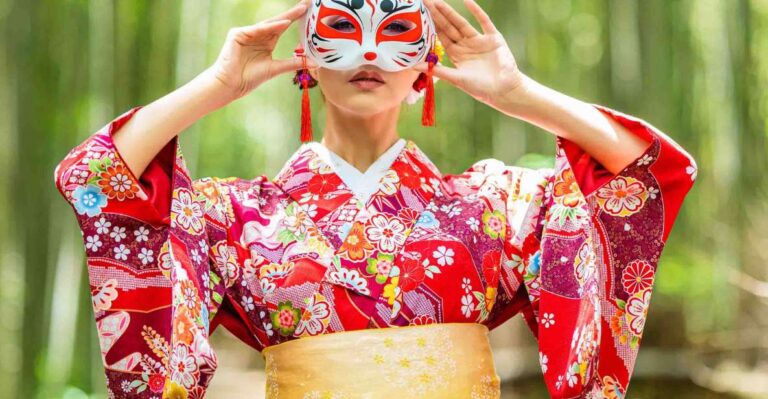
518 101
215 93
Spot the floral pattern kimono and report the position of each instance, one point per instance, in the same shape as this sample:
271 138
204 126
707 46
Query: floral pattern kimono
572 248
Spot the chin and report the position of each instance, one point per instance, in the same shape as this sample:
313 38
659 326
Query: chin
366 103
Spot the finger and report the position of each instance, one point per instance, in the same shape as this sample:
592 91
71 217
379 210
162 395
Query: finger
480 15
451 75
291 65
443 25
263 30
453 17
293 13
445 41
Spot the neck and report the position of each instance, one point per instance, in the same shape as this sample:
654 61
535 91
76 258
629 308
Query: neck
360 139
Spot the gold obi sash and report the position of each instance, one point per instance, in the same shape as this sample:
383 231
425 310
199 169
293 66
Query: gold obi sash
446 360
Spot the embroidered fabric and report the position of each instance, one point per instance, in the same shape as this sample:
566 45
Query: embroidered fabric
362 184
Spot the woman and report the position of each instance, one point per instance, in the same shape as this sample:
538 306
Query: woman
383 283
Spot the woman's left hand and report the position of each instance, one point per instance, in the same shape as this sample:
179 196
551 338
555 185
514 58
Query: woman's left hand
484 65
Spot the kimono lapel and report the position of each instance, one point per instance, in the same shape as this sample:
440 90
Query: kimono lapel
365 237
318 192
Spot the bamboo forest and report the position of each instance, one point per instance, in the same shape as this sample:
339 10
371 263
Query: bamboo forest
695 69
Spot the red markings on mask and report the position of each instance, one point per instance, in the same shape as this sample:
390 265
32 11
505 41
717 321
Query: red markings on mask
410 36
327 32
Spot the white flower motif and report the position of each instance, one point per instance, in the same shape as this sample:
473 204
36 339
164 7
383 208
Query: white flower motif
186 212
146 256
142 234
183 366
102 226
350 279
121 252
314 318
645 160
443 255
465 284
386 233
196 256
543 360
548 319
571 374
306 197
118 233
203 246
622 196
637 311
93 243
267 326
267 286
309 209
466 305
451 210
575 338
247 303
473 223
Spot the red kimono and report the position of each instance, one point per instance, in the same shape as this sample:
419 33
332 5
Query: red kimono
573 248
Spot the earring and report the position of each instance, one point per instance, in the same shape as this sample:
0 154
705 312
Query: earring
428 112
306 115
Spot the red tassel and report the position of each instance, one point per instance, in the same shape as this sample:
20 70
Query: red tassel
306 114
428 112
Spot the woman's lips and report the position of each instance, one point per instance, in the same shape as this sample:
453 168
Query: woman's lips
366 83
367 80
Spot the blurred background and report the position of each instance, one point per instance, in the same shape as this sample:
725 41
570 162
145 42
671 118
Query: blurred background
696 69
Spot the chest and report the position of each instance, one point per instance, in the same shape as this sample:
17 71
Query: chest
317 264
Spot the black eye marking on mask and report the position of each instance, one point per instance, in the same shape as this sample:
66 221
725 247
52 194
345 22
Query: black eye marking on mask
351 5
389 7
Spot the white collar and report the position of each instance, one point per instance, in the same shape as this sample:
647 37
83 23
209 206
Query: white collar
362 184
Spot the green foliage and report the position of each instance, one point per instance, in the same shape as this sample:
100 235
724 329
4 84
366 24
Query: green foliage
695 69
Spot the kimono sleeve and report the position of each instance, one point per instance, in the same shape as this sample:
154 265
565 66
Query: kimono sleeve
581 254
153 293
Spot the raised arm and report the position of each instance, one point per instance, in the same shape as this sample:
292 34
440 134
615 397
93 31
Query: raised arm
608 142
583 239
147 231
486 70
245 62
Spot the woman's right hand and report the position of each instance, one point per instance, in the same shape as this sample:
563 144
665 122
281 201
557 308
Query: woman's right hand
245 61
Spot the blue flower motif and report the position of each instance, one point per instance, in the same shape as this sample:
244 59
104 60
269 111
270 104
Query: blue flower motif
89 200
535 264
427 219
